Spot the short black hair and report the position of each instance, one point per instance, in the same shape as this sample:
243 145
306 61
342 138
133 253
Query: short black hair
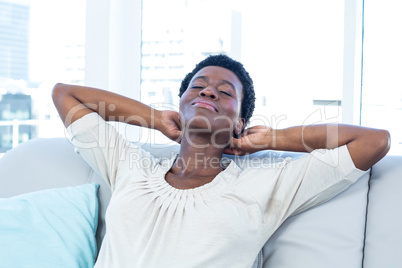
221 60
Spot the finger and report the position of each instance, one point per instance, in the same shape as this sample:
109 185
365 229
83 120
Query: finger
233 151
234 143
178 140
180 136
228 150
258 129
178 123
250 131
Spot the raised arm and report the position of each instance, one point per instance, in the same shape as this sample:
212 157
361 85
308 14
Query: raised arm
366 145
73 102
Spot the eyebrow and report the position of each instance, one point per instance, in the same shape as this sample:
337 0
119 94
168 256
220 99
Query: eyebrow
223 81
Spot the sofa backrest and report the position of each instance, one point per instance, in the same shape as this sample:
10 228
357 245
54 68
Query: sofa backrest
383 243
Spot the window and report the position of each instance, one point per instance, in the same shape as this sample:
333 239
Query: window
175 36
173 40
292 49
39 45
382 69
296 52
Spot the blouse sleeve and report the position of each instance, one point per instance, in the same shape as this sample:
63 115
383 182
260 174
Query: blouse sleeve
292 186
104 149
323 175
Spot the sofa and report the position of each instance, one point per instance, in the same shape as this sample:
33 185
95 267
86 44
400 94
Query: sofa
361 227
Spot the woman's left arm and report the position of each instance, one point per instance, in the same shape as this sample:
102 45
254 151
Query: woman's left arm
366 145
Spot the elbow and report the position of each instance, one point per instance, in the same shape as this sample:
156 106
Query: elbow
380 145
56 91
60 92
383 142
372 148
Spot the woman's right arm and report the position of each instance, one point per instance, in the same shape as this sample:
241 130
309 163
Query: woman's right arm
73 102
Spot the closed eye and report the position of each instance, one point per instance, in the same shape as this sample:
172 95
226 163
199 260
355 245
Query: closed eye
197 87
227 93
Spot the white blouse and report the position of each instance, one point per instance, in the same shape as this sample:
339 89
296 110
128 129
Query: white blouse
223 223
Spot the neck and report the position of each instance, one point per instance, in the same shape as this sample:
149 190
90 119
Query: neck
199 157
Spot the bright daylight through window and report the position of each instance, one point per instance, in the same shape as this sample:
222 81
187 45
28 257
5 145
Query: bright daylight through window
382 69
39 45
294 50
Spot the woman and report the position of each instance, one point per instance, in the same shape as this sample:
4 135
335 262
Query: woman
194 210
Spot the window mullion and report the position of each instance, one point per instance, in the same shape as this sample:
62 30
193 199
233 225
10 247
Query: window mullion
352 64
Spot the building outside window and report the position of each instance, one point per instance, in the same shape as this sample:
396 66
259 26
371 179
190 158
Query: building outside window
37 49
293 51
14 57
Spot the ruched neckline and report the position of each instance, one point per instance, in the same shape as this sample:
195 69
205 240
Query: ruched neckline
216 185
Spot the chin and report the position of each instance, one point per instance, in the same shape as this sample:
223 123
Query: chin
216 130
207 122
198 122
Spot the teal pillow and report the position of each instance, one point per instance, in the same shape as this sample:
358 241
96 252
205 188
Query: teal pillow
50 228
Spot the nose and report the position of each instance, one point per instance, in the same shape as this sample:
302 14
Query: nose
208 92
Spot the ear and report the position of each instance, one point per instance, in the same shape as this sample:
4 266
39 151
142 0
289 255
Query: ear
239 126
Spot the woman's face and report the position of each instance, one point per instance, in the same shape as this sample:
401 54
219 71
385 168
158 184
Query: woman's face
212 102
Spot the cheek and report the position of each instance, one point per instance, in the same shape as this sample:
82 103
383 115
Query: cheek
233 108
183 100
230 115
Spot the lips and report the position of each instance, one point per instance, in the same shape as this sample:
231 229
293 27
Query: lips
206 104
